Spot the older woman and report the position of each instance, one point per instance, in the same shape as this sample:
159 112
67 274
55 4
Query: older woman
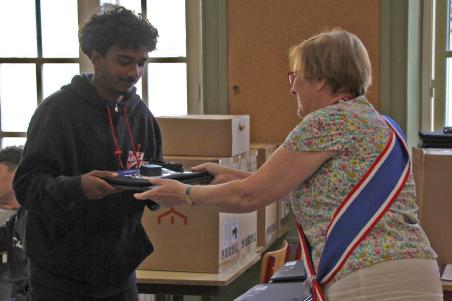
347 169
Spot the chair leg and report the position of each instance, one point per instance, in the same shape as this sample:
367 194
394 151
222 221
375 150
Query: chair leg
287 254
270 268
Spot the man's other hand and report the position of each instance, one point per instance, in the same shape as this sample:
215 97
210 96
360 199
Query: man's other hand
95 187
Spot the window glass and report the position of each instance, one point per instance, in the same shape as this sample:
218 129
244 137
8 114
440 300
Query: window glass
13 141
449 92
168 88
139 86
17 96
169 18
18 28
54 76
59 22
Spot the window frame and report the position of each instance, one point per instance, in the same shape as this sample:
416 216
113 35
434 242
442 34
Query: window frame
436 14
39 61
193 58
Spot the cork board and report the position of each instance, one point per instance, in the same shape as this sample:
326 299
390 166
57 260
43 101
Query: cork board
260 34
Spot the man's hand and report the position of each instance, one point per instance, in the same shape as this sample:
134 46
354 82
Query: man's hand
96 188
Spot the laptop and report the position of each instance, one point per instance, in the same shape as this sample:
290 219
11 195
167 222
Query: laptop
290 271
281 291
438 139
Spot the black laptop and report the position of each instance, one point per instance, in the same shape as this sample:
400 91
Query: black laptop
290 271
284 291
135 179
438 139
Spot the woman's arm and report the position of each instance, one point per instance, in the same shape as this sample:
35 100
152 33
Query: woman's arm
281 173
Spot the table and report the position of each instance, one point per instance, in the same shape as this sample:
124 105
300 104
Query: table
447 290
447 286
189 283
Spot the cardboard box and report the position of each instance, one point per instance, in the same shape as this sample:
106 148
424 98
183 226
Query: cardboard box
264 151
244 161
205 135
200 239
267 225
267 217
432 170
197 239
284 224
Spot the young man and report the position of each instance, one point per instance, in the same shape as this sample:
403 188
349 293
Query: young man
84 237
13 269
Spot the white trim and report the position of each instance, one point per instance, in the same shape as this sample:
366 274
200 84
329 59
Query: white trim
428 57
195 74
86 8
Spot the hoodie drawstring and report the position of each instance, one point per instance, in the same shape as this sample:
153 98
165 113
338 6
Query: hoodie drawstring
117 151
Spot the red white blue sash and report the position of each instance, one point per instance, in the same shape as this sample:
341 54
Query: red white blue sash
360 210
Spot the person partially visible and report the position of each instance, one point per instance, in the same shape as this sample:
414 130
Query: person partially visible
84 236
5 214
348 170
13 269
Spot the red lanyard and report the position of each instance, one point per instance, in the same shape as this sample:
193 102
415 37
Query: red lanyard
117 151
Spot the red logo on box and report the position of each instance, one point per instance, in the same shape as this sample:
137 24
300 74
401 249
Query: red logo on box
171 213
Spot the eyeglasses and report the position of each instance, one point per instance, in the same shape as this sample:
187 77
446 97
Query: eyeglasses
292 75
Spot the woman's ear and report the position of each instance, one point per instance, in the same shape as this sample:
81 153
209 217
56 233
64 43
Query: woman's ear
320 84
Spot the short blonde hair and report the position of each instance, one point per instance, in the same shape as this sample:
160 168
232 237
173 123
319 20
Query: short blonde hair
338 57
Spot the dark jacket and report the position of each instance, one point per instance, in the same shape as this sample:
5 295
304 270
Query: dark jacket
77 244
14 271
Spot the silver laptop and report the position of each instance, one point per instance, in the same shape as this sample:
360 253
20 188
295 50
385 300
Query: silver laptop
281 291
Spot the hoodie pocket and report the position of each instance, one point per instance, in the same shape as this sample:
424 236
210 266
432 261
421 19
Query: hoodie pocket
101 259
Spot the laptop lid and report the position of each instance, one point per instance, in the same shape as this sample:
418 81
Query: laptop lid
290 271
283 291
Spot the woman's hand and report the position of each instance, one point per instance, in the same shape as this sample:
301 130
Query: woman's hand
167 192
221 174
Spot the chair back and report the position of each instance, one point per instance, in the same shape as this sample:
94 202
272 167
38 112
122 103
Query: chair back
273 261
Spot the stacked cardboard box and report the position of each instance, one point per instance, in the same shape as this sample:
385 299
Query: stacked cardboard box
205 135
284 220
432 170
202 239
267 217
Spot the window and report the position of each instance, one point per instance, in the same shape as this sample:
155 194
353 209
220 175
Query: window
437 110
443 64
33 61
164 82
448 55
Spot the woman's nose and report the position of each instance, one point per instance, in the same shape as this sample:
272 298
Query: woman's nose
292 91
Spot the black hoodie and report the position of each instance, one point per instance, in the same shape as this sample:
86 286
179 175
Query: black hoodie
83 246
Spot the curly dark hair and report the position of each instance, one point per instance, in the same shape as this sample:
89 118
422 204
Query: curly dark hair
117 26
10 156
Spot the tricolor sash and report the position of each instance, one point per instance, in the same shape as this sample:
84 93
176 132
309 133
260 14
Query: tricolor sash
359 211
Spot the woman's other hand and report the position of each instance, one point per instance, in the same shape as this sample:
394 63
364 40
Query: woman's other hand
166 192
221 174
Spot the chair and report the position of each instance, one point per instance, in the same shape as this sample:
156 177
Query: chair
273 261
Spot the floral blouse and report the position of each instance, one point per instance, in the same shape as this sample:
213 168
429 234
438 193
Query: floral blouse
358 134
